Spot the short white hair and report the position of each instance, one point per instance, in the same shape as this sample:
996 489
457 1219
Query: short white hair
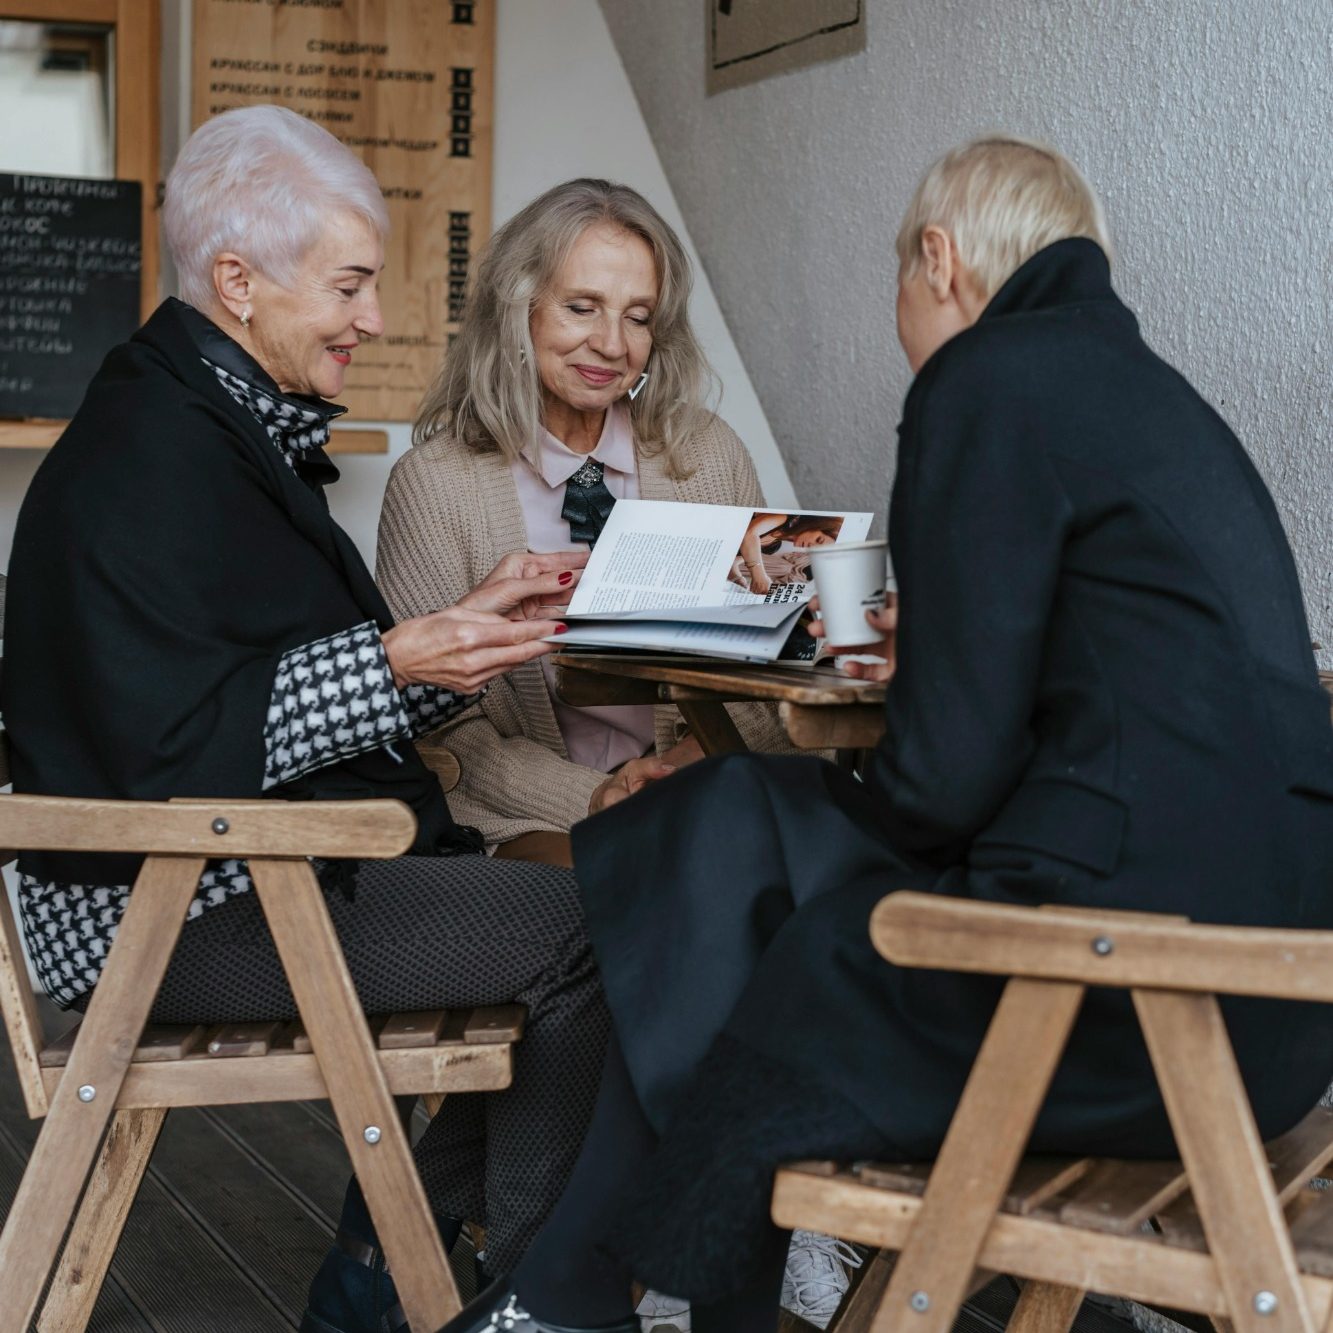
261 182
1002 199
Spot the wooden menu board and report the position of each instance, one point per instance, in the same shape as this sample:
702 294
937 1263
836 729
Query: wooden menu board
408 85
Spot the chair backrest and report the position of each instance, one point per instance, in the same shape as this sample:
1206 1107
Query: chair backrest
18 1005
372 830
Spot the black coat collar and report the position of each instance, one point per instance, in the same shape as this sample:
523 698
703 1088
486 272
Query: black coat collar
170 337
182 336
1070 272
225 351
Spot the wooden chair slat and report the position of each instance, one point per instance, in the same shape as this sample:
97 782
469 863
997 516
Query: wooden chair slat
360 1094
1040 1178
295 1036
905 1177
981 1152
821 1167
286 1076
1301 1153
367 829
159 1041
403 1031
1180 1225
1312 1235
1138 1267
1037 1179
455 1028
495 1023
55 1054
1045 1307
1228 1168
19 1009
168 1042
931 930
1118 1197
242 1039
58 1168
97 1226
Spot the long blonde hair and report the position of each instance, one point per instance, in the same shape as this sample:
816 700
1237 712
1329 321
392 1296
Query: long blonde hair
488 393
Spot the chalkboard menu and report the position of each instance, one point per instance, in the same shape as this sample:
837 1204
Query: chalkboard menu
70 258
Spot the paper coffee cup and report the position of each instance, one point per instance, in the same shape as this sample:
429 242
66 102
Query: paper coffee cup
851 578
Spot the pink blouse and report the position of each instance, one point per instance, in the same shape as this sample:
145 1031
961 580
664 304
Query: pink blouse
600 738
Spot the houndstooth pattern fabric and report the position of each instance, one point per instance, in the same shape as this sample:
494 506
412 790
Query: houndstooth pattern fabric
69 927
296 427
335 697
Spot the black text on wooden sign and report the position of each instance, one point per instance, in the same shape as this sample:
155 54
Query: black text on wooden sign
70 257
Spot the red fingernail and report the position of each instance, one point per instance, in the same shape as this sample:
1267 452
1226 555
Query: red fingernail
565 577
559 629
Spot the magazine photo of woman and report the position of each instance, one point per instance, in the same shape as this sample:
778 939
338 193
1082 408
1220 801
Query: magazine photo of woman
775 548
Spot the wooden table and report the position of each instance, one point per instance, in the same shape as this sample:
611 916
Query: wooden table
820 709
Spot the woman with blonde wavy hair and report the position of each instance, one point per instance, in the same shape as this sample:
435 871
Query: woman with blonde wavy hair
575 380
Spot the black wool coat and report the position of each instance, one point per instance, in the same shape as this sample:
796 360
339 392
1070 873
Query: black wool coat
165 558
1105 697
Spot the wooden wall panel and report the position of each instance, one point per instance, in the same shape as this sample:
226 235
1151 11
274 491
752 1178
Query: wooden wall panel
408 85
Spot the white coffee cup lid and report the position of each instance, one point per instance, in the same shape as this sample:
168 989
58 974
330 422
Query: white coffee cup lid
831 547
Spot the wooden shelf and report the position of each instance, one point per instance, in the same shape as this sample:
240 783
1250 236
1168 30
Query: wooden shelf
43 434
359 442
30 434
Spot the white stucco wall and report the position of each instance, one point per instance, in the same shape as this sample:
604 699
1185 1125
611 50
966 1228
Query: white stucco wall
1205 127
563 108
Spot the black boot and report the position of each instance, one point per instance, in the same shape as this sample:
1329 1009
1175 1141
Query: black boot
353 1291
497 1310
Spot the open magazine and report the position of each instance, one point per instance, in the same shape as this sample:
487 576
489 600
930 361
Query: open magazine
712 580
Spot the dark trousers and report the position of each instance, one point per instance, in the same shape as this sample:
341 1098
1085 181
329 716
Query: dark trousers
441 932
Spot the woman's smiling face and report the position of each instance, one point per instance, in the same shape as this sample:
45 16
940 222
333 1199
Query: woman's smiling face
591 332
306 334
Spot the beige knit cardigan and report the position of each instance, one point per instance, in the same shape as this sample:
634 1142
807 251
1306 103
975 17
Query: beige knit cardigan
450 513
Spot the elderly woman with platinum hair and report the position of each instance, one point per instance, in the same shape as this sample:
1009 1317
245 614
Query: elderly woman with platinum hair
575 380
1104 697
185 618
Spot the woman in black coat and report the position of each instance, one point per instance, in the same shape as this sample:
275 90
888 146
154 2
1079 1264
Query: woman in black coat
1104 696
185 618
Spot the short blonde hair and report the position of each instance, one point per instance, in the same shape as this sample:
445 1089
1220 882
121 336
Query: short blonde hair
262 182
1002 199
488 393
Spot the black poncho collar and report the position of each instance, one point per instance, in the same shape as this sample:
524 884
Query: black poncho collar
297 423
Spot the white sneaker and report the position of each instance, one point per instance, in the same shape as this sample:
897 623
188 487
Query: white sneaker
817 1275
663 1314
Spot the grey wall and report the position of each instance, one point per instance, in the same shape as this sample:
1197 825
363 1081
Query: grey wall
1207 128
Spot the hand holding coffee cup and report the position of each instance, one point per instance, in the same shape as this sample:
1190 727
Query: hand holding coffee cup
853 584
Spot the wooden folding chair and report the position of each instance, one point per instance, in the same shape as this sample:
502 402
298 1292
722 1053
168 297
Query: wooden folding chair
105 1090
1236 1232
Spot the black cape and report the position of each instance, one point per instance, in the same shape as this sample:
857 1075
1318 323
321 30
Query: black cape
1105 697
165 557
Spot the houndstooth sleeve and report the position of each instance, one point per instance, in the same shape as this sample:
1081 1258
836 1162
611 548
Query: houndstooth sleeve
335 697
